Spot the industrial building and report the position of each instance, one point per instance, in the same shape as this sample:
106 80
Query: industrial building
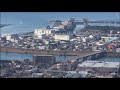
44 59
69 65
109 39
101 67
61 37
117 49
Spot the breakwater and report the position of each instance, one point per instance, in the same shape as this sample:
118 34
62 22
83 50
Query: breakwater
51 52
42 52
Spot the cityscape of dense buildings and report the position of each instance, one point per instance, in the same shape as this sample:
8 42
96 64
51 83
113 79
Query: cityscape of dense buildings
60 37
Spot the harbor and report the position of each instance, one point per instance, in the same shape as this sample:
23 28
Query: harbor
61 48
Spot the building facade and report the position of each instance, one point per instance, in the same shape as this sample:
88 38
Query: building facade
58 37
38 33
44 59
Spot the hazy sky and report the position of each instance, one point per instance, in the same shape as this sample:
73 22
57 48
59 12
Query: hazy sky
16 17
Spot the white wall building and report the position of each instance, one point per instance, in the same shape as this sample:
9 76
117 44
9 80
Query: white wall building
109 39
12 40
38 33
91 36
85 39
62 37
8 37
117 49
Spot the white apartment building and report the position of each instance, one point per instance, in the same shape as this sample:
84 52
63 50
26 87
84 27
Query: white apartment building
8 36
38 33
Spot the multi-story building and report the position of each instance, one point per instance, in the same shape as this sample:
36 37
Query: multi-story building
8 37
38 33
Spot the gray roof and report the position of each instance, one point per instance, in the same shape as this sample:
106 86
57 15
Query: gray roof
76 76
69 75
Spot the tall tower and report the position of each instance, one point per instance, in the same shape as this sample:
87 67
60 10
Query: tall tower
85 23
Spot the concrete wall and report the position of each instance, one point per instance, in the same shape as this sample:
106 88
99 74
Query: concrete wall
43 52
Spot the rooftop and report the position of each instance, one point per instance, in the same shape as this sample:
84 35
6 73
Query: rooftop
44 29
41 55
90 63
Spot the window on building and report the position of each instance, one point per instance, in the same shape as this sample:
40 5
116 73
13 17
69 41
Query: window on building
42 31
46 32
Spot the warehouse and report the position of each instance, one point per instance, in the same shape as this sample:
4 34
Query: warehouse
62 37
100 67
